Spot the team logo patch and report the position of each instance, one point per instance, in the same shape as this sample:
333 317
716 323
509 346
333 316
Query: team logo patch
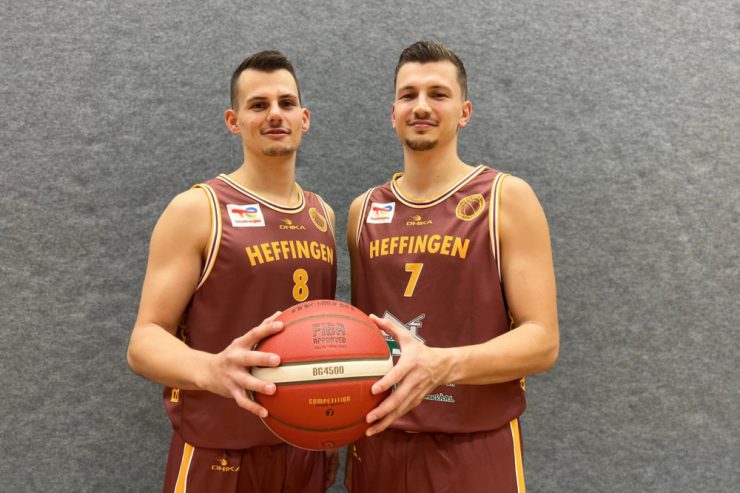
246 216
318 220
381 213
470 207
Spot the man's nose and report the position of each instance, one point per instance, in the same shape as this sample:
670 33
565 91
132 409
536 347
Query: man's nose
275 113
422 108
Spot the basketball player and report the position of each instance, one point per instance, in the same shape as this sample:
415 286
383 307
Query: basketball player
224 257
456 260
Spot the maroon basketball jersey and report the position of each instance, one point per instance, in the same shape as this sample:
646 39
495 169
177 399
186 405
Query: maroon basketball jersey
433 267
262 258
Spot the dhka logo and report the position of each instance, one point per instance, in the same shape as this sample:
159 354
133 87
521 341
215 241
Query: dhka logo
223 466
418 221
288 224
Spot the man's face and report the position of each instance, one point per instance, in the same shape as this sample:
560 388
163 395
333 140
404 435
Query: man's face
429 107
269 116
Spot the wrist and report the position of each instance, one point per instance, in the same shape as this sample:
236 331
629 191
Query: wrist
204 370
449 362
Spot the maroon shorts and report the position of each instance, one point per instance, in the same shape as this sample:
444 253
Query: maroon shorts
398 462
268 469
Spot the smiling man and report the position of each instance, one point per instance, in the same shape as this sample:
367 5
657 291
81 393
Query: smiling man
457 261
219 265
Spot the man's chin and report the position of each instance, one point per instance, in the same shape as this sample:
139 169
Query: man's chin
421 144
278 151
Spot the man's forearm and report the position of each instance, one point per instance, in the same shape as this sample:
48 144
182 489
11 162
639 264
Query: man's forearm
530 348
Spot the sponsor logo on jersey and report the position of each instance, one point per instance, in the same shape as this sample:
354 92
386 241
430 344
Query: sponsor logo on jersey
418 221
223 466
440 397
288 224
246 216
317 219
413 326
470 207
381 213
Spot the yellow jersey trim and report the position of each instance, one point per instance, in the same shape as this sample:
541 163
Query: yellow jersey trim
494 206
272 205
214 242
432 201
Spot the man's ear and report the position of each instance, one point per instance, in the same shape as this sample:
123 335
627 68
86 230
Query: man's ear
232 121
467 113
306 120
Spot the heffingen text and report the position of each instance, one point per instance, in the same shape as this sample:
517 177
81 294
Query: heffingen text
289 249
453 246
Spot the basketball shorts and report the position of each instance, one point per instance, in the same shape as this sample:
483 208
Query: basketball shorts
266 469
400 462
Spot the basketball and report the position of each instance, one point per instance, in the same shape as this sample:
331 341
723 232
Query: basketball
331 354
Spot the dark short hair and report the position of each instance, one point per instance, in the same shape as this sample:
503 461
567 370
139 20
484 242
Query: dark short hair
433 51
264 61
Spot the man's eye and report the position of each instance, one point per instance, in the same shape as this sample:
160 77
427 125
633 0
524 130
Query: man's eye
257 106
406 96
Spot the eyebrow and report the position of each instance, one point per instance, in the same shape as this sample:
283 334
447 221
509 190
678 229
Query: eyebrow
287 95
435 86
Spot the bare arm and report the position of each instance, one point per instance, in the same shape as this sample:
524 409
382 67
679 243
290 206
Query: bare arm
175 261
531 347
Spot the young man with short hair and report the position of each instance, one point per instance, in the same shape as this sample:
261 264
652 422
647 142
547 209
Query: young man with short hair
457 261
225 256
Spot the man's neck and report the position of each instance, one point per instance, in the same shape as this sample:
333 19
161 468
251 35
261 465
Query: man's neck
430 173
270 177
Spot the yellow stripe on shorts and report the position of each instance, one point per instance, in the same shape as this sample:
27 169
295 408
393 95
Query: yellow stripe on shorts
182 477
518 463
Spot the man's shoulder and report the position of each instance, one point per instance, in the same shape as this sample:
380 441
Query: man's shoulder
189 203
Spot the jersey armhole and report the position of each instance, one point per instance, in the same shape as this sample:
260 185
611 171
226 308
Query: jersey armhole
493 220
361 218
214 238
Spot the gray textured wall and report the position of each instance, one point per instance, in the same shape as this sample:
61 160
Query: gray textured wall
622 115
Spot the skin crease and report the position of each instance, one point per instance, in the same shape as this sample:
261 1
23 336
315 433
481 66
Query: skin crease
271 122
427 114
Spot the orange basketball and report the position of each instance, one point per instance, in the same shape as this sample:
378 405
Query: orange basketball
330 355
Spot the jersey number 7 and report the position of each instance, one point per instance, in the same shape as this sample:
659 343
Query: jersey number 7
415 270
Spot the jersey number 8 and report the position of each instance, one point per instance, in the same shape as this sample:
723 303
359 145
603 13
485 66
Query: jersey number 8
300 286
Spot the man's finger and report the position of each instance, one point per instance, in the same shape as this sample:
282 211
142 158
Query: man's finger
247 381
245 402
259 358
394 375
388 327
263 330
